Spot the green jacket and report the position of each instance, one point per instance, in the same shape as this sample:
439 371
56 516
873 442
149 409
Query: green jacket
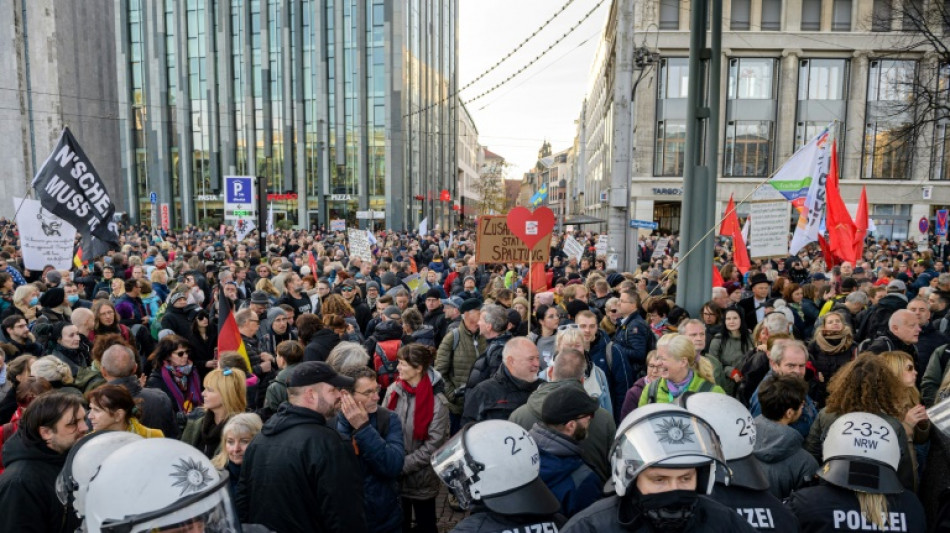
455 363
663 393
933 376
277 390
730 352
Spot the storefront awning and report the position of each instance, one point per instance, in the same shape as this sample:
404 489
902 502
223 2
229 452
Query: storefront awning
584 219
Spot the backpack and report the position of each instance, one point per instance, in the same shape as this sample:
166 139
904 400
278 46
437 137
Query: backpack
382 421
863 347
705 386
385 361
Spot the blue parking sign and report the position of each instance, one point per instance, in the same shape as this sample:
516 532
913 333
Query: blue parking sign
240 190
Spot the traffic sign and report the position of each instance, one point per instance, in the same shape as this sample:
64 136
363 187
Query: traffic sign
923 225
239 197
644 224
153 197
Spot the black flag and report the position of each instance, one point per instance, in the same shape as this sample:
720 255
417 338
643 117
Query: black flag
68 186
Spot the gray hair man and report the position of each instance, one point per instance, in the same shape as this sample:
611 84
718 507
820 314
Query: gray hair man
788 357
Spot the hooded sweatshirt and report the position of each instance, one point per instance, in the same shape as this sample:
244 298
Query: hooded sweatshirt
28 501
564 472
788 465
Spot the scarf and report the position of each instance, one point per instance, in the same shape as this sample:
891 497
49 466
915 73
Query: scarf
210 437
178 386
425 406
677 388
833 343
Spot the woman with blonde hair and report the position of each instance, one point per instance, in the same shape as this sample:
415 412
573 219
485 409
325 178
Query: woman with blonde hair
236 435
265 285
915 420
832 347
25 299
681 370
54 370
224 396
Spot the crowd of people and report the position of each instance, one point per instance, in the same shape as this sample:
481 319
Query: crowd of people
795 400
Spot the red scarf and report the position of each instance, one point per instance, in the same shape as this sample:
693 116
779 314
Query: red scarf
425 406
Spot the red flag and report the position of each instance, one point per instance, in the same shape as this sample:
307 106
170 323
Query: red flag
730 228
826 251
229 338
538 278
841 228
861 224
717 277
313 266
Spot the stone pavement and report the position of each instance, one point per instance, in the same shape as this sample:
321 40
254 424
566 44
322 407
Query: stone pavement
446 516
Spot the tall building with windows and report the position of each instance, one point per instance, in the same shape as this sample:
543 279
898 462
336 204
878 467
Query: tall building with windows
789 68
347 104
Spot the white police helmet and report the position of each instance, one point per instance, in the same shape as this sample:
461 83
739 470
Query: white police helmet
861 452
736 430
83 463
159 485
668 436
495 462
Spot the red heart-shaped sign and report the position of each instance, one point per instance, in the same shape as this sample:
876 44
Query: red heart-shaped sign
530 227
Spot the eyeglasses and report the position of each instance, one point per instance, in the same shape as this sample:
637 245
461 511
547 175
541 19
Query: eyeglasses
370 392
180 352
612 310
566 327
346 289
653 367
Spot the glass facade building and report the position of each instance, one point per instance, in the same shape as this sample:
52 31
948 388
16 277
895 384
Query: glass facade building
347 103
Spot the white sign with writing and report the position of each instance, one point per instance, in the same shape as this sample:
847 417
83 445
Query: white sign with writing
601 246
770 226
338 224
660 249
45 238
573 248
359 244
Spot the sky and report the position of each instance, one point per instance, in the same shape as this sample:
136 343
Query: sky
544 101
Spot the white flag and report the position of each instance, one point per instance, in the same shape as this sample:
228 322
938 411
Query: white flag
372 239
270 219
746 228
424 226
811 161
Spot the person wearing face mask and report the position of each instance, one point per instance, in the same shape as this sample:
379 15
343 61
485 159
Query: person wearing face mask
663 467
73 298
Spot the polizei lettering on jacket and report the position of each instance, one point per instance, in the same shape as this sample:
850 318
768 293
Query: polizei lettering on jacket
543 527
856 521
757 517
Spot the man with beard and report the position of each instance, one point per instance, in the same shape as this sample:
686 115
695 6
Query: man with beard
298 475
17 332
275 330
664 465
293 295
565 418
33 458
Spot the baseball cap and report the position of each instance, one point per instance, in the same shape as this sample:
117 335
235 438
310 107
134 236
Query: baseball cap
313 372
454 301
567 403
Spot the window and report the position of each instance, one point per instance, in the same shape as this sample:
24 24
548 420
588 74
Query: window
748 148
841 15
822 86
913 15
811 15
669 14
892 221
751 106
881 15
891 80
771 15
671 118
941 166
751 78
887 151
741 15
888 128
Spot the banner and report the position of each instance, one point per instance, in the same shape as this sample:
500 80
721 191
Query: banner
811 161
45 239
573 248
497 244
424 226
338 224
768 236
69 187
243 227
601 246
359 244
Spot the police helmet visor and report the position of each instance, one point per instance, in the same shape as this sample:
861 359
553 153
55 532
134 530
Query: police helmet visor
456 469
664 439
210 511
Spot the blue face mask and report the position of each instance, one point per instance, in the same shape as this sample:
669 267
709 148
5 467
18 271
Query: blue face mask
72 298
34 301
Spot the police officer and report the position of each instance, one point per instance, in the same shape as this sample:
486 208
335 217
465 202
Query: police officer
492 468
860 490
746 489
663 462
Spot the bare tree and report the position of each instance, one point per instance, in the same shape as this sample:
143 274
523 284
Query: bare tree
490 187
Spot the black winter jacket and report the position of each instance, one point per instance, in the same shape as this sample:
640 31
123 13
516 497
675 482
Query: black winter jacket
619 514
159 408
497 398
320 345
484 521
300 476
28 501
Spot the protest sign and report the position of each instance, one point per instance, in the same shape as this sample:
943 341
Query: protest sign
660 249
359 244
601 247
45 239
573 248
497 244
337 224
768 236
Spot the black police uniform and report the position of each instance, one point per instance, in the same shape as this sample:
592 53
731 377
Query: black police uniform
484 521
619 514
829 508
760 509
